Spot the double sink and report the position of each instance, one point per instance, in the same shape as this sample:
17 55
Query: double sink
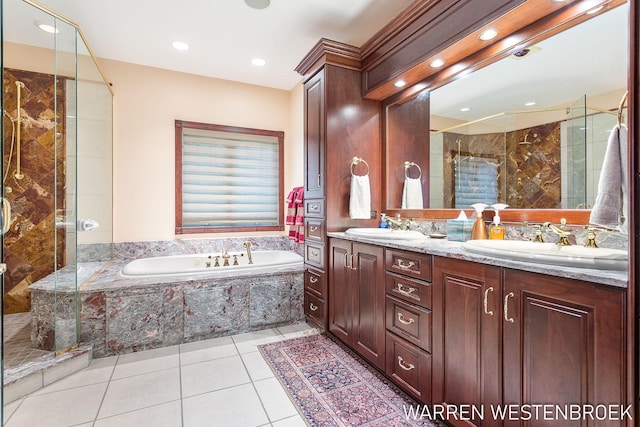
518 250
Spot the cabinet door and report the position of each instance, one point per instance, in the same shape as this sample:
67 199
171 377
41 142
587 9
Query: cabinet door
340 289
563 344
314 138
368 326
467 336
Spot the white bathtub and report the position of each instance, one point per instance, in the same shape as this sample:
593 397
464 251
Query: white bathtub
204 264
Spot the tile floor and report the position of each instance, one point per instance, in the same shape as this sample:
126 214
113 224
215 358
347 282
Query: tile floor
218 382
17 340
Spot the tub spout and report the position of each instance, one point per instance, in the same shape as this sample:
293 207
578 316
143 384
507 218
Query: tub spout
248 246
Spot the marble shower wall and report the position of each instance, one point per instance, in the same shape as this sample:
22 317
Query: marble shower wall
528 173
29 250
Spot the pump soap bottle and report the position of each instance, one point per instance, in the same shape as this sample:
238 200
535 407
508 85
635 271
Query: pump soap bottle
479 230
496 231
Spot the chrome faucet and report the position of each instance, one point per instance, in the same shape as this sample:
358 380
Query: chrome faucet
247 245
563 231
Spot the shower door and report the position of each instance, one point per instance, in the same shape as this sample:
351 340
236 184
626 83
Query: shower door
574 156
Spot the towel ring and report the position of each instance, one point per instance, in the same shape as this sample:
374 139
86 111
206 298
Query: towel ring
621 107
357 160
407 165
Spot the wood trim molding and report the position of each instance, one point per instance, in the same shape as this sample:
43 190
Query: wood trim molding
329 52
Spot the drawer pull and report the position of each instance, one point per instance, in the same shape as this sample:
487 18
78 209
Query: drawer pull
314 207
313 228
314 253
403 289
486 303
313 279
402 320
312 307
404 365
506 307
404 266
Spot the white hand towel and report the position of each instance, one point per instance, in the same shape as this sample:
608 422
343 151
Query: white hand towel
360 200
611 205
412 194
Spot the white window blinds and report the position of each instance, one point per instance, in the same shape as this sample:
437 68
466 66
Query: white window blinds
230 179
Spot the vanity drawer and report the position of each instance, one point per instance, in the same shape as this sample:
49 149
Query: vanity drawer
410 322
408 263
410 290
314 254
409 367
314 229
315 282
314 308
314 208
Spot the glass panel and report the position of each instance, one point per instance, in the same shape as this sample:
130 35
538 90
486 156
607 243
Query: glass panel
574 156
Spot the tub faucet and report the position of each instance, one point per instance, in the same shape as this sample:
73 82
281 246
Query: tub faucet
247 245
225 257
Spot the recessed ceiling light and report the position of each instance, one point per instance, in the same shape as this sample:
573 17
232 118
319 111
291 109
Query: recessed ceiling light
558 1
258 4
400 83
258 62
47 28
464 109
488 34
436 63
180 45
530 103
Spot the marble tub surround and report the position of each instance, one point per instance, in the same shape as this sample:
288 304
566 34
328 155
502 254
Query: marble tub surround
121 315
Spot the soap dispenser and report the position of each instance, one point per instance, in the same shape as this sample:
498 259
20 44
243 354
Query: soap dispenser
496 231
479 230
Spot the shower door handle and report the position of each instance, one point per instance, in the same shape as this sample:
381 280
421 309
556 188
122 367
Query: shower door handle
6 215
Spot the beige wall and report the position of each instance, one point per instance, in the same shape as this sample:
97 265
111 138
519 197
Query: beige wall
147 101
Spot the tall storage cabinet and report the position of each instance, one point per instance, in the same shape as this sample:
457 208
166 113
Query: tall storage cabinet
338 125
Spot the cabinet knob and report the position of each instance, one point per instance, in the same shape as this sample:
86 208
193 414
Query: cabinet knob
506 307
486 303
402 320
312 307
404 365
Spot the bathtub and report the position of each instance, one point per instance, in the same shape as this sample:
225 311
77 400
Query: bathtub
267 261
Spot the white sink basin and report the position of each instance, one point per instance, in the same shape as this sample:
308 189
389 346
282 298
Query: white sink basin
385 233
550 253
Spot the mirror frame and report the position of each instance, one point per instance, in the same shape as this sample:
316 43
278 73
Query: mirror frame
518 34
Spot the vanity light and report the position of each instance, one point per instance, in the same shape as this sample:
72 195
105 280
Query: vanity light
530 103
437 63
180 45
258 62
47 28
488 34
400 83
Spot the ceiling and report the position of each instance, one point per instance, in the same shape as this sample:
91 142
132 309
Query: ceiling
223 35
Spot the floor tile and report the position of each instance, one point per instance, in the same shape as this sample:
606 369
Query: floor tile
100 370
53 409
146 361
257 366
9 409
201 351
236 406
141 391
164 415
295 421
275 399
250 341
213 375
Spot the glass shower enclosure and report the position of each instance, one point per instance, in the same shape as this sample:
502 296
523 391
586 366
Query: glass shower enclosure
56 126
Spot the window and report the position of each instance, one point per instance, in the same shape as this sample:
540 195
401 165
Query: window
228 178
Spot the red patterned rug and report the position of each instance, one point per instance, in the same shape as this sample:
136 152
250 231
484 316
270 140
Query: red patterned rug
331 386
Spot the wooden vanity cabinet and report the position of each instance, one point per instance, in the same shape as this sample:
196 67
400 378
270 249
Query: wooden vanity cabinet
357 297
508 337
408 321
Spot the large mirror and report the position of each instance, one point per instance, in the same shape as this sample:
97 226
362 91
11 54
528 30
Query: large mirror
529 130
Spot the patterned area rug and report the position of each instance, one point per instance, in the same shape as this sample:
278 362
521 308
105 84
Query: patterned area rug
331 386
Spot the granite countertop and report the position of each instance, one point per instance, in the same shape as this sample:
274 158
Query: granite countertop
446 248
